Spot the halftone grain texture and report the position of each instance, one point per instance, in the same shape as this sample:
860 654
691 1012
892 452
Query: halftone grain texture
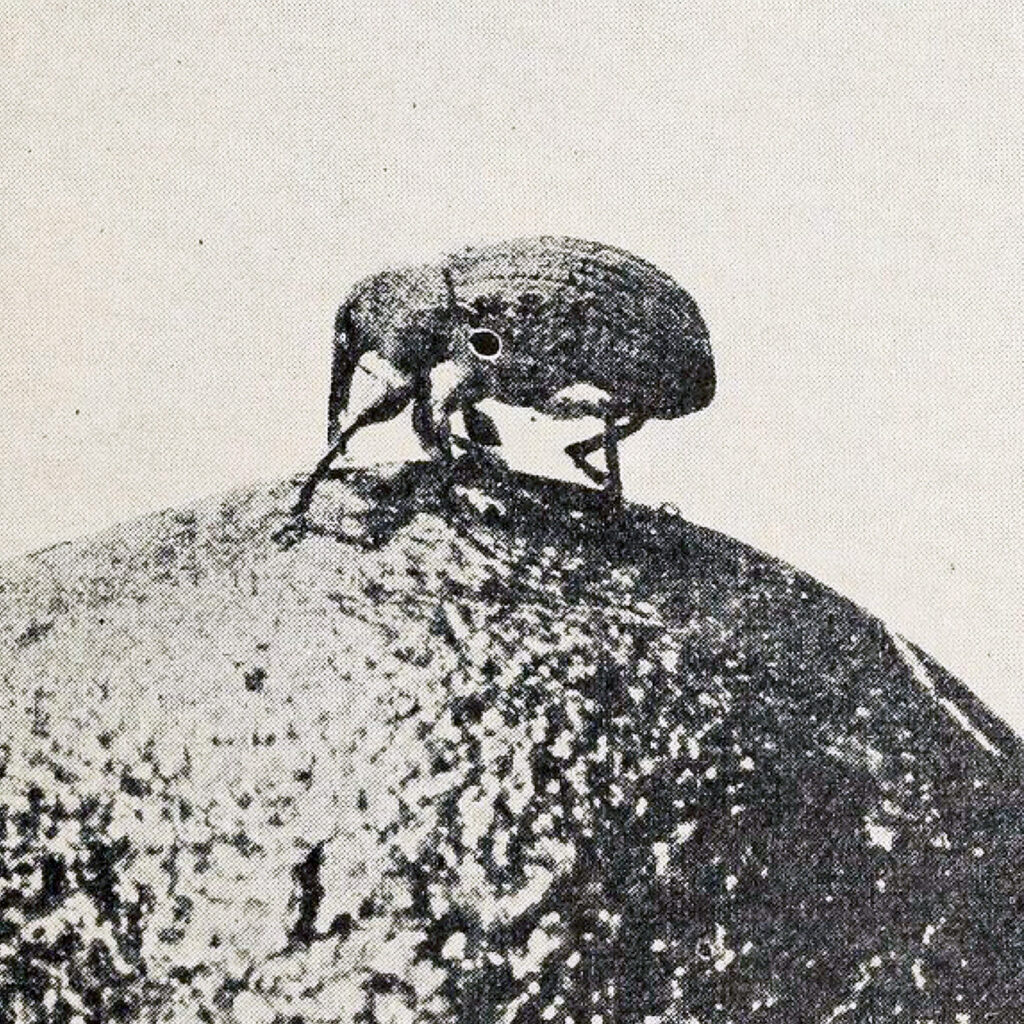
499 756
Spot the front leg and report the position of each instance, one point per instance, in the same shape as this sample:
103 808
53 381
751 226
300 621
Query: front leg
448 387
578 452
387 406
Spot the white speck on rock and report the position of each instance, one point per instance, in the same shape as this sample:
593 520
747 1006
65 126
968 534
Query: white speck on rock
722 954
539 946
840 1011
661 855
455 947
685 831
917 970
879 835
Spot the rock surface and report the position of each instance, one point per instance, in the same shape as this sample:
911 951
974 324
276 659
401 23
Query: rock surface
497 755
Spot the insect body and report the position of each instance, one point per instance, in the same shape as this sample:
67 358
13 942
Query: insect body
568 327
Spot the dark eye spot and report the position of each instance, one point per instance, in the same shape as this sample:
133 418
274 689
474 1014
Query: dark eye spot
485 343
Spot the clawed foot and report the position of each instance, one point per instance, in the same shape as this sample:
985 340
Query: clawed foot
481 454
297 526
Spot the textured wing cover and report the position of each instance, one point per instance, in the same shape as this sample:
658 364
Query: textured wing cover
622 324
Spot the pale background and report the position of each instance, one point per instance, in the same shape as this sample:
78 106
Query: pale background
186 194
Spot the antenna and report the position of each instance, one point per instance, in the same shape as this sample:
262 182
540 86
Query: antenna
453 299
454 306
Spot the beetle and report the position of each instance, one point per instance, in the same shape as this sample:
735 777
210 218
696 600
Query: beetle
568 327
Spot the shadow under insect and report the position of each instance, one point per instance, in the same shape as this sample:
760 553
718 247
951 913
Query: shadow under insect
504 513
369 505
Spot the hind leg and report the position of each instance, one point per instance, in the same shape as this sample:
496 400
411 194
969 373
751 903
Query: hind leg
608 439
613 486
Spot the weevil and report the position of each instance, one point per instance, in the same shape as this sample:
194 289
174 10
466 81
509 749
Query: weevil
568 327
